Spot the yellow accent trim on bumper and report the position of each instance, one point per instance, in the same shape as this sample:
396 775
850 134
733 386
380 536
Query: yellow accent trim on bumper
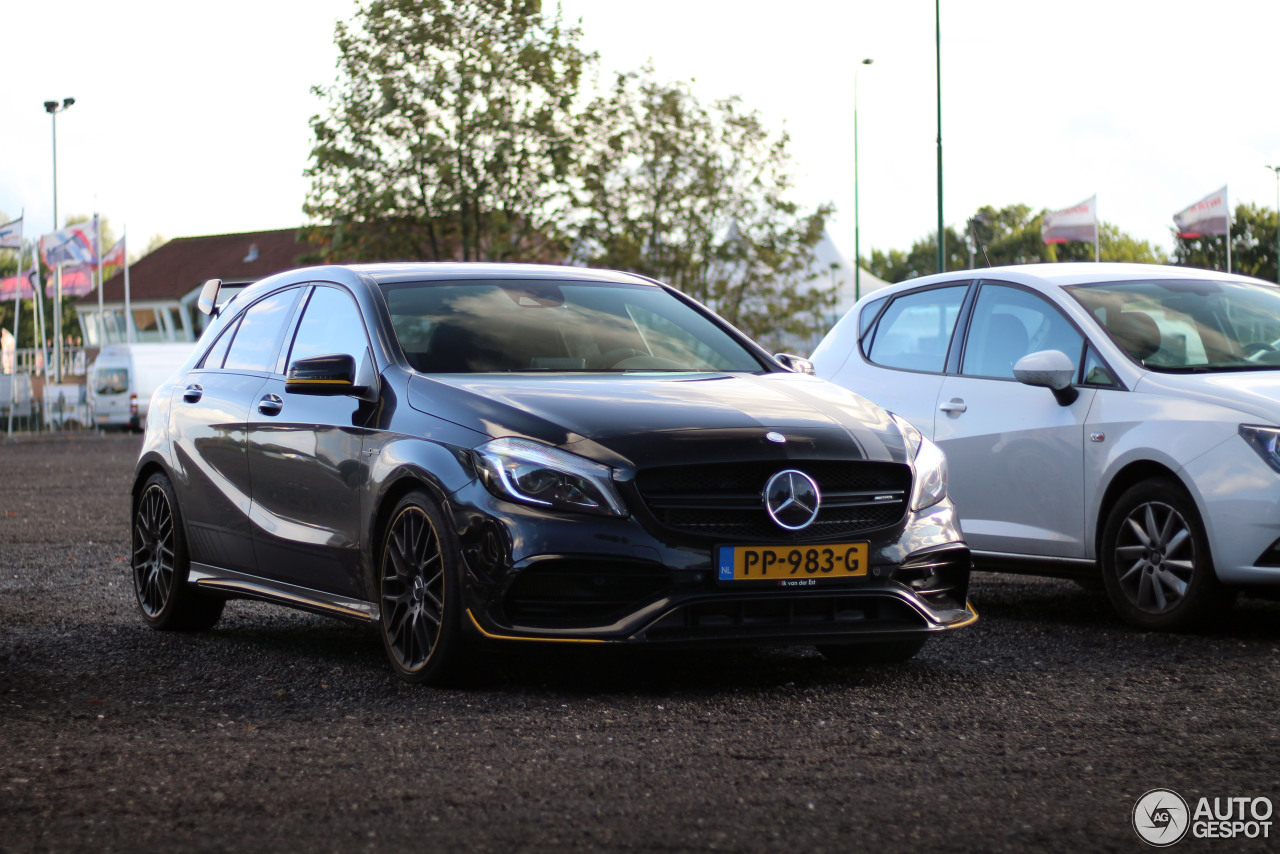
492 636
973 619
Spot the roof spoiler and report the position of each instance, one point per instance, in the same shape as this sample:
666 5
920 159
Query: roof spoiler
208 302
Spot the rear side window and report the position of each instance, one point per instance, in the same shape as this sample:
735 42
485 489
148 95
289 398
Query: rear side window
915 330
256 346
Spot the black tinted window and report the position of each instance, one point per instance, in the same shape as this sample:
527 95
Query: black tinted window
256 346
218 352
331 326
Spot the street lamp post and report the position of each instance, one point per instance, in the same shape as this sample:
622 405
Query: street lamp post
1276 169
942 235
857 231
53 108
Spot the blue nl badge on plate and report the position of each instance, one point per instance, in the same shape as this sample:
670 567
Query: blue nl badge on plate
726 563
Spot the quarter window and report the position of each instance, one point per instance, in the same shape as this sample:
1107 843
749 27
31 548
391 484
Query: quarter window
1008 323
218 352
915 330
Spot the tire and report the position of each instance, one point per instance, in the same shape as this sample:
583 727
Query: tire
160 565
1156 563
873 652
419 591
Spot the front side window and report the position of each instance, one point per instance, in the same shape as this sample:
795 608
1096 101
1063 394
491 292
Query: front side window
1008 323
503 326
1189 325
915 330
257 341
331 325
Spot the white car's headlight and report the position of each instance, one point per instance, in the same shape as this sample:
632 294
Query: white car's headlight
1264 440
533 473
930 484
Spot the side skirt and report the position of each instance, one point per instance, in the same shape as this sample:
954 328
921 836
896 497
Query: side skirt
238 584
1054 567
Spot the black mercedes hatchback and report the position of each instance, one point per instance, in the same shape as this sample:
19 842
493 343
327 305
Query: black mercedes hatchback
468 453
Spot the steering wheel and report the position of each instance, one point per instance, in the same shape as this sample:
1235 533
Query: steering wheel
1257 347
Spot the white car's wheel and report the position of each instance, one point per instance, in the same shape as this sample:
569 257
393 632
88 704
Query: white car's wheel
1155 559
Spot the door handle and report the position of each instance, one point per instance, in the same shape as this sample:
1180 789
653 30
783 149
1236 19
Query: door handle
954 406
192 393
270 405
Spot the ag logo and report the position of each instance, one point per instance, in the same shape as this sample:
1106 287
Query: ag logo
1161 817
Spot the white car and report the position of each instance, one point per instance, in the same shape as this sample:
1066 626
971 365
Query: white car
1112 418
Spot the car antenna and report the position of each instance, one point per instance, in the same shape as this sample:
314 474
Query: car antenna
973 235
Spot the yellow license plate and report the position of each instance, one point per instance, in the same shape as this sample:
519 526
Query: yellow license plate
800 566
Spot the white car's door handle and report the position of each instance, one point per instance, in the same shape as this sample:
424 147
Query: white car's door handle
954 406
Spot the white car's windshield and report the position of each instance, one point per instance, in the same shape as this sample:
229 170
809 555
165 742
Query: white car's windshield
1188 325
487 326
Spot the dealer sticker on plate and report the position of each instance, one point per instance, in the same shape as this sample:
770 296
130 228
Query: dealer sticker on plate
799 566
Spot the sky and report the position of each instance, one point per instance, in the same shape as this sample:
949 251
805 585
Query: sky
191 122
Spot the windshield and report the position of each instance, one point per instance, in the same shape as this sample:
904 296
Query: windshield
487 326
1189 326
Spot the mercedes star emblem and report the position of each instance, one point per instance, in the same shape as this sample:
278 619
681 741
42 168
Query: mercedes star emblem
792 499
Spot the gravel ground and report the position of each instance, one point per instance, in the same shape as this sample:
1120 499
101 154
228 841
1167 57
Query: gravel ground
1038 728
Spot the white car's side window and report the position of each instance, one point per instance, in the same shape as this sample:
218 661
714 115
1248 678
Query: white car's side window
1008 323
916 328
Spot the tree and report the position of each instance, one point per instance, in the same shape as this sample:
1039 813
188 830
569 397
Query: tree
1253 245
1009 235
895 265
696 195
446 134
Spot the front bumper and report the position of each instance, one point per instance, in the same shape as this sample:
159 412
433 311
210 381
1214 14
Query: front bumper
531 579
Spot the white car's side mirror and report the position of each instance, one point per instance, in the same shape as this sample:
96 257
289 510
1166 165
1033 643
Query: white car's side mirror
1051 369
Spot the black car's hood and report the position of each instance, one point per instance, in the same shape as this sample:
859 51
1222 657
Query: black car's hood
667 419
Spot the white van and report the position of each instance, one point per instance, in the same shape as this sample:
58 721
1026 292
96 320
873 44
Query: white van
124 376
15 394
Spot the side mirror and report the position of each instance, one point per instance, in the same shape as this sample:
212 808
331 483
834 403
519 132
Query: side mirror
208 301
332 375
322 375
796 364
1051 369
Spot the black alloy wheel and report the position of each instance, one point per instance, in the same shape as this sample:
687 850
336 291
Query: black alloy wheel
418 592
1155 559
159 564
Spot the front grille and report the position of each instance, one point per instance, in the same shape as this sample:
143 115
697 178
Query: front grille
726 499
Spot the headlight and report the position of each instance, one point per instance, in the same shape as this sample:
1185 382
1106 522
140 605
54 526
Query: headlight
1264 440
930 485
533 473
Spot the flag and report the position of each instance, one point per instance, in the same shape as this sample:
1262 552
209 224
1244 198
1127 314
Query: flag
1078 223
114 257
11 234
1207 216
18 287
75 244
76 281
